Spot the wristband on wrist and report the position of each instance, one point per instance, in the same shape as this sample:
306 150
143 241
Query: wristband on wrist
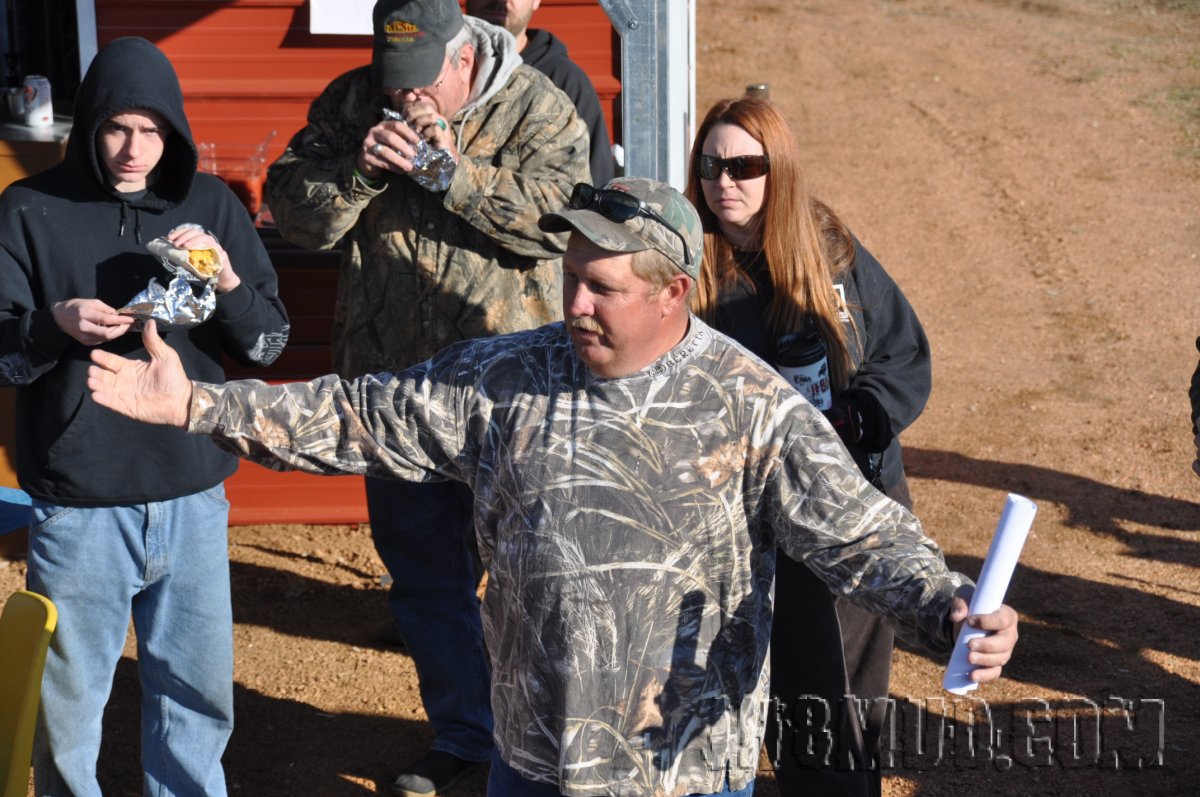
370 181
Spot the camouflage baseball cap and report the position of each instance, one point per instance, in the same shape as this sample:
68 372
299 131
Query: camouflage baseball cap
664 220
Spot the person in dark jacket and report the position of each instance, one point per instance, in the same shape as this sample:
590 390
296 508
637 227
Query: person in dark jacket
546 53
127 518
1194 394
778 262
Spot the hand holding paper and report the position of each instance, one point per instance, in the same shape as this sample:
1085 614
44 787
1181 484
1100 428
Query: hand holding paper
987 612
994 636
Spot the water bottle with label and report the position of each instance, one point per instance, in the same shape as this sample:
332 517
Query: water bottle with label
801 358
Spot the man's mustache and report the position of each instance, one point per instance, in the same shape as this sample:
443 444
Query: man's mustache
586 323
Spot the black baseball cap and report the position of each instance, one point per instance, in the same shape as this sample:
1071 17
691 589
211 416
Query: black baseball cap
410 40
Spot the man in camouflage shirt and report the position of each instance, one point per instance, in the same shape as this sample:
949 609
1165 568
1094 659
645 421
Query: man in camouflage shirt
635 473
424 267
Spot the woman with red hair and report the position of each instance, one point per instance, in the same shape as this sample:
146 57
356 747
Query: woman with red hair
779 264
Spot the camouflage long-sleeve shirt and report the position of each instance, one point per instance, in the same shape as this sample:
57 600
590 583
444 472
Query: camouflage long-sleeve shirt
424 269
630 527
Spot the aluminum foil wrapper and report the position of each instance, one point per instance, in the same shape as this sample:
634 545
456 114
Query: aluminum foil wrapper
433 168
174 307
177 306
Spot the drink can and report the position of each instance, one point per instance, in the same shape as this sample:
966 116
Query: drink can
39 112
812 380
801 359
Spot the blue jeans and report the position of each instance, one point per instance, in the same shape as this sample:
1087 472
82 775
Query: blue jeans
504 781
168 564
423 534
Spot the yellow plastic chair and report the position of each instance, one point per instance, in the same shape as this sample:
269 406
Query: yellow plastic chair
26 626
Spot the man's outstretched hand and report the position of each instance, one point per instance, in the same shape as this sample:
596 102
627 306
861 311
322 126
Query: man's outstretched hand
157 391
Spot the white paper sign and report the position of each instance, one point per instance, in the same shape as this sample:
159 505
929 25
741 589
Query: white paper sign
340 16
997 571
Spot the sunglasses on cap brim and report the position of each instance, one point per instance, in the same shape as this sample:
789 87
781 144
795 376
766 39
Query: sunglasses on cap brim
621 207
741 167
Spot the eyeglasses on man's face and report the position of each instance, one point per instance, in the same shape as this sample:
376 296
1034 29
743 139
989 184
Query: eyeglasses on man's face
740 167
621 207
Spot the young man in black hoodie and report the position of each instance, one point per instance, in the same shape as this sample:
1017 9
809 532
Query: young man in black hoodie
543 51
127 518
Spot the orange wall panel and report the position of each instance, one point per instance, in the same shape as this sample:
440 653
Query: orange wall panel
257 495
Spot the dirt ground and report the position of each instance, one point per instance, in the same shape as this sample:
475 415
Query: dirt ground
1027 171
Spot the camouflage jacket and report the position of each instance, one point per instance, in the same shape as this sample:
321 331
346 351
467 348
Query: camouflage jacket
630 527
422 269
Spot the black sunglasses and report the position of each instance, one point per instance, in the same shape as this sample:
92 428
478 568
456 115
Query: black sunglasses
742 167
620 207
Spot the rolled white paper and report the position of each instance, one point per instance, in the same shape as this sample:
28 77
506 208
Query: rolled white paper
997 571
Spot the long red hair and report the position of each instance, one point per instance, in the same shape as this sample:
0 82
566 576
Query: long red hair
805 244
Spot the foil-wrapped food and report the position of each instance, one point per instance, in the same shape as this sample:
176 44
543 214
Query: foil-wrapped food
203 264
178 305
433 168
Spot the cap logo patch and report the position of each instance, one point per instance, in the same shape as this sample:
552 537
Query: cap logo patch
400 31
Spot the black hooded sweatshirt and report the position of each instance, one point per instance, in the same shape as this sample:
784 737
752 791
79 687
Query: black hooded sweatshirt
65 234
